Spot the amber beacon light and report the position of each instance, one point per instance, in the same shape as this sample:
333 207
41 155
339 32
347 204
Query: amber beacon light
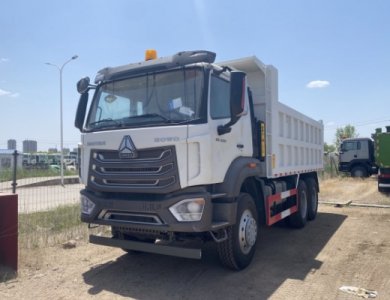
150 54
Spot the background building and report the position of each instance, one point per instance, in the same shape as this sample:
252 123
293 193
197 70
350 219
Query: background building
30 146
11 144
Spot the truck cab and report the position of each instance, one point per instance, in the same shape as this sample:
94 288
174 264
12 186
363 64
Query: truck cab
356 156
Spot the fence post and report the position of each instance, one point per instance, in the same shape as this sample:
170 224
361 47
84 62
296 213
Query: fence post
14 183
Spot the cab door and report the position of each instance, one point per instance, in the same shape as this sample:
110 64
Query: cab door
225 147
350 150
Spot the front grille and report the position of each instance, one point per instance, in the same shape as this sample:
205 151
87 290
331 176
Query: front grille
153 171
134 231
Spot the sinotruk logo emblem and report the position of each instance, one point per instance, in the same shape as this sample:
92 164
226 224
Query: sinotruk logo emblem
127 148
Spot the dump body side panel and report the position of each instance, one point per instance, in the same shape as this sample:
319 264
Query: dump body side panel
294 142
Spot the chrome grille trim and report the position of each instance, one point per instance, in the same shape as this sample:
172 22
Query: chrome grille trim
154 170
133 218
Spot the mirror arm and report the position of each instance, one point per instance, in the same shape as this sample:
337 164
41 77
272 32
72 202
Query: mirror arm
226 128
223 129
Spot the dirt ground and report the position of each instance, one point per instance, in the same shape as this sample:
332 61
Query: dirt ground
343 246
353 189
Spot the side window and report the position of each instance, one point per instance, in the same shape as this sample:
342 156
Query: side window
219 98
351 146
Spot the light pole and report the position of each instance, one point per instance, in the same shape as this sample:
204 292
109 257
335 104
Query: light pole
61 125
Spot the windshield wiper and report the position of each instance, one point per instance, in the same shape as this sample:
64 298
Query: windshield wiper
104 121
196 120
153 115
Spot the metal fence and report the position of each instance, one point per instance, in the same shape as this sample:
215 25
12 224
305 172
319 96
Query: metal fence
48 211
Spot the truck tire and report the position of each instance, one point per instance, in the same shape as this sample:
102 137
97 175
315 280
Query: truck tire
359 172
299 219
237 251
312 198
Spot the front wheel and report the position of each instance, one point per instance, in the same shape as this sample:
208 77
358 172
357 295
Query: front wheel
359 172
237 251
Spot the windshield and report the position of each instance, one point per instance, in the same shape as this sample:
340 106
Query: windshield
172 97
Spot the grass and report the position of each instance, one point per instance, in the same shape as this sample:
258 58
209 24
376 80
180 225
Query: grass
46 228
21 173
53 227
55 220
357 190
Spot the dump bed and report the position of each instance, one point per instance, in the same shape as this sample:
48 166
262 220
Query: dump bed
294 142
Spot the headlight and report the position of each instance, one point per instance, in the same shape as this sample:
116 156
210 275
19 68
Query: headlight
188 210
87 205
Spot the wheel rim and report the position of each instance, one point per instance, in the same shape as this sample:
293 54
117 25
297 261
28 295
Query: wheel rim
358 173
247 231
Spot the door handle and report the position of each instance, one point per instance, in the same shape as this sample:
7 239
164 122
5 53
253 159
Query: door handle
355 156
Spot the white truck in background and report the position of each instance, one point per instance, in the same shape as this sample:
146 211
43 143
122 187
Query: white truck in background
357 157
363 157
179 151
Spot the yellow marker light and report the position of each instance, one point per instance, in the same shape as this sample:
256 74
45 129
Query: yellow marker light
150 54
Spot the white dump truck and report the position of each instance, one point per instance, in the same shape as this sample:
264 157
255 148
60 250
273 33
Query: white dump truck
179 151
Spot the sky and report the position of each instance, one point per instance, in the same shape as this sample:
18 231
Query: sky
333 57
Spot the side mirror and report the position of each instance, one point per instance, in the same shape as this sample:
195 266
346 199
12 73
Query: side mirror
237 100
81 109
237 94
83 85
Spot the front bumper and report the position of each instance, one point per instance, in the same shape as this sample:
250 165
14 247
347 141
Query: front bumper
151 216
178 251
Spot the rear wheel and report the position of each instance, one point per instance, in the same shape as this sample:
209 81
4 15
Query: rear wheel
237 251
299 218
312 198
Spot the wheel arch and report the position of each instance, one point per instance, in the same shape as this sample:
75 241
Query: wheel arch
240 169
243 177
313 175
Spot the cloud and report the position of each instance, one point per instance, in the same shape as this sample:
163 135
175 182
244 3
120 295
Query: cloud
4 93
15 95
2 59
7 93
331 123
318 84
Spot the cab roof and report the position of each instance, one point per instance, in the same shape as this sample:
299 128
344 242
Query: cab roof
179 59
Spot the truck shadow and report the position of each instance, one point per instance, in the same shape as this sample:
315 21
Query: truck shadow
282 254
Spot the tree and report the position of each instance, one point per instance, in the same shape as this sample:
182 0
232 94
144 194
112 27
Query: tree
348 131
328 148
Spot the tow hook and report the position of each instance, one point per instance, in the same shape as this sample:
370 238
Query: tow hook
219 236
